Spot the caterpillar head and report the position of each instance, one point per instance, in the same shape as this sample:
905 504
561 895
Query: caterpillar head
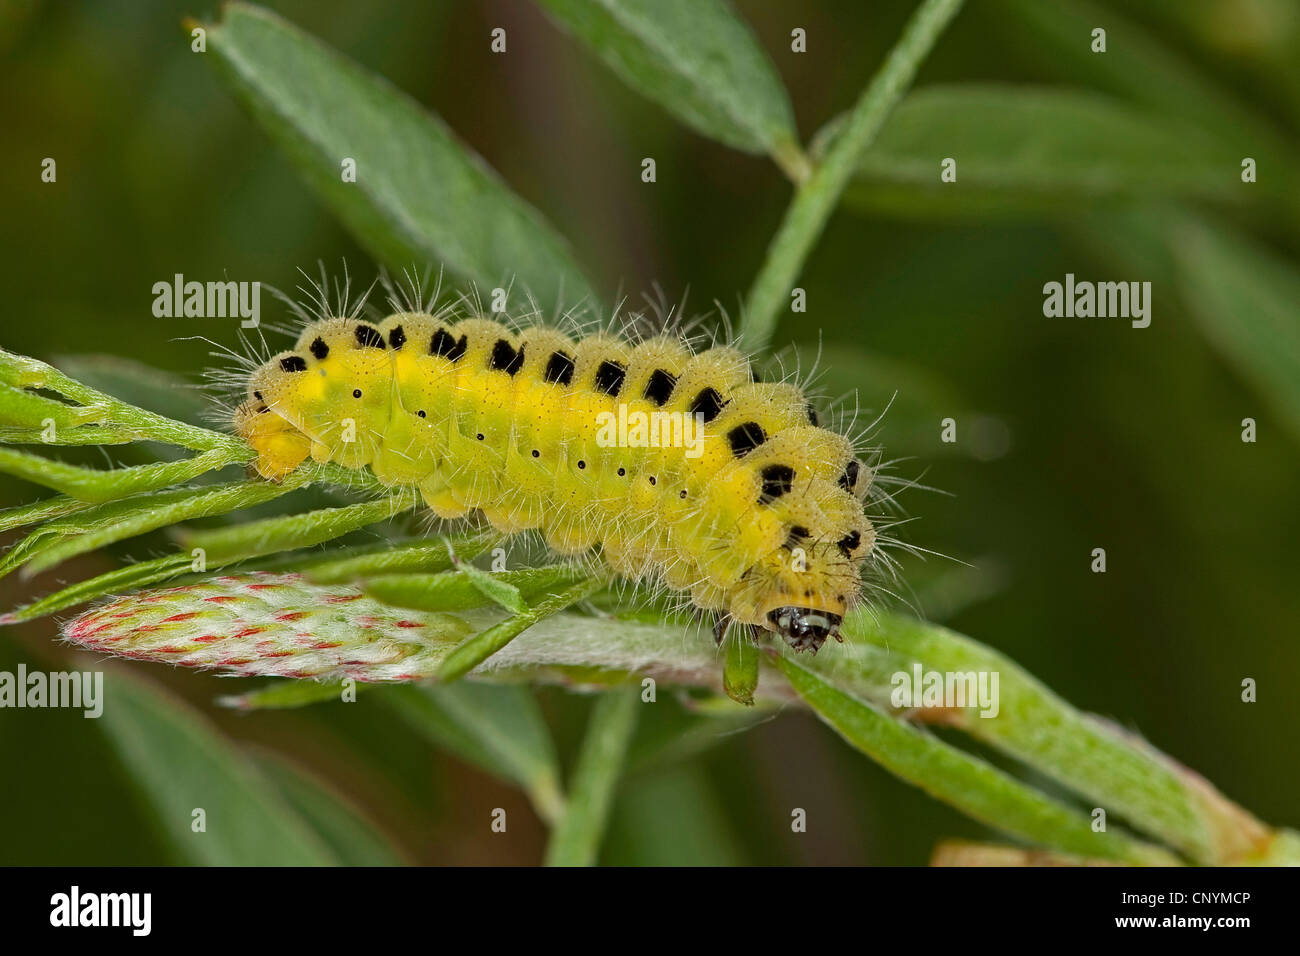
805 629
334 387
803 588
813 583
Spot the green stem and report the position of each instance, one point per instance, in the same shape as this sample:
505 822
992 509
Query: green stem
817 197
575 841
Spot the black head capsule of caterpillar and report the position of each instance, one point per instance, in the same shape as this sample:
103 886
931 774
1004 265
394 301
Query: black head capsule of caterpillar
805 628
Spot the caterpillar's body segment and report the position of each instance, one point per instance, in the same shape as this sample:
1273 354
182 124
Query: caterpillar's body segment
761 519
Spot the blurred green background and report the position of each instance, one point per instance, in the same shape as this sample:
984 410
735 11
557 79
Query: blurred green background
1073 433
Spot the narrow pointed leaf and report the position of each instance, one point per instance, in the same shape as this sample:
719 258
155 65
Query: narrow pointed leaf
420 195
336 822
695 58
1247 300
182 765
1025 149
459 590
98 485
475 650
976 788
499 728
425 556
496 589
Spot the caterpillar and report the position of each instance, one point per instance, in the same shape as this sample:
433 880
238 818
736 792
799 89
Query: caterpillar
757 513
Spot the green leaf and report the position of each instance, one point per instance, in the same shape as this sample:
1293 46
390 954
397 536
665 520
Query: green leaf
294 531
976 788
110 582
468 587
182 764
1030 149
476 649
498 728
1247 301
20 408
1108 767
421 196
422 555
119 420
355 840
222 547
43 510
141 385
695 58
673 818
288 695
252 625
1136 66
98 485
495 589
118 520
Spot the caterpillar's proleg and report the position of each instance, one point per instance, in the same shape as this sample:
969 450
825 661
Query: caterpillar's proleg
676 465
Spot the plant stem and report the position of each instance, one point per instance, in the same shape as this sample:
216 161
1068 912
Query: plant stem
576 839
817 197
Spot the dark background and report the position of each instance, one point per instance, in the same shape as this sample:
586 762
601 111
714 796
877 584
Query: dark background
1113 438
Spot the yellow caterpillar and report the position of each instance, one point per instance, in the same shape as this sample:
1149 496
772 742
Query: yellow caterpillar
732 493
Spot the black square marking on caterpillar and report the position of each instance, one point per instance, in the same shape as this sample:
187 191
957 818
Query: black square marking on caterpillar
293 363
849 543
368 337
319 349
708 403
397 337
796 536
660 387
745 438
559 368
777 481
443 344
609 378
812 416
506 358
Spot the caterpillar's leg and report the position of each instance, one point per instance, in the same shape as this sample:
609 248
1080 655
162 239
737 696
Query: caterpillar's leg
720 625
724 620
